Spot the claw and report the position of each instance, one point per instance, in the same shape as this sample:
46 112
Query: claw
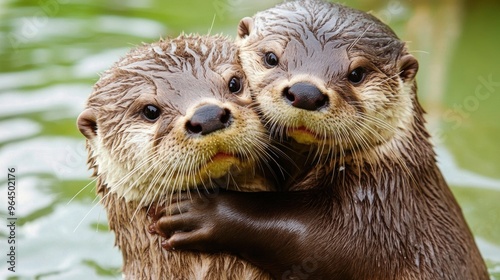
152 228
152 211
155 212
167 246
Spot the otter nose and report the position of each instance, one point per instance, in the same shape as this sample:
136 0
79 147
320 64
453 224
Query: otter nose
207 119
305 96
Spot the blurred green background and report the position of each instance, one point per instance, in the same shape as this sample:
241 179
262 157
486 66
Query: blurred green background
53 50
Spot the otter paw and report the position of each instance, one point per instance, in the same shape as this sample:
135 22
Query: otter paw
185 226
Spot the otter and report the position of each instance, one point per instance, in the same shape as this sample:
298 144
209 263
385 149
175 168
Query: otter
367 200
171 116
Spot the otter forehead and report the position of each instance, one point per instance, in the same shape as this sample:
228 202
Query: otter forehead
328 28
173 71
184 53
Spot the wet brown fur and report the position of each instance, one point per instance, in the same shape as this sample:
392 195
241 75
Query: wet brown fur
390 215
369 201
174 74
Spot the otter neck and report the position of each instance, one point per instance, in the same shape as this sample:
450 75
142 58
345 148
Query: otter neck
387 202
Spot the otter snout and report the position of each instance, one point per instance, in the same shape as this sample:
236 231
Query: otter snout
305 96
207 119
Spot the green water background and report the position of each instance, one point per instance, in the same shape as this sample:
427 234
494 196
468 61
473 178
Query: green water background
51 52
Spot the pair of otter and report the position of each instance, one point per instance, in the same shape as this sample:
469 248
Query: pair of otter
364 198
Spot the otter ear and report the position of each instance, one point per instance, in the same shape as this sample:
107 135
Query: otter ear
245 27
408 67
86 123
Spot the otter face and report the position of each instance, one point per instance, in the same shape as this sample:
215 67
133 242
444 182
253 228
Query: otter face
327 75
170 116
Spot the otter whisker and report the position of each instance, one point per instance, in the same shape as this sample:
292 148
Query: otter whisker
82 189
419 51
139 166
90 211
212 24
233 183
188 163
397 156
149 189
158 183
342 137
383 124
276 129
137 180
361 144
168 174
385 80
274 153
378 121
146 194
358 38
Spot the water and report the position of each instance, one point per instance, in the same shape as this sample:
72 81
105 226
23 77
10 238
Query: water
52 52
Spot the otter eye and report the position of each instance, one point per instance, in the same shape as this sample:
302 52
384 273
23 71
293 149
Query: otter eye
234 85
357 75
151 112
271 59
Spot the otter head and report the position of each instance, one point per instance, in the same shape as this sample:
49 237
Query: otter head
327 75
170 116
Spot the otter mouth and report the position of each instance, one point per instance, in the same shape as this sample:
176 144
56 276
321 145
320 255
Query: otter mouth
221 164
215 166
223 156
303 135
